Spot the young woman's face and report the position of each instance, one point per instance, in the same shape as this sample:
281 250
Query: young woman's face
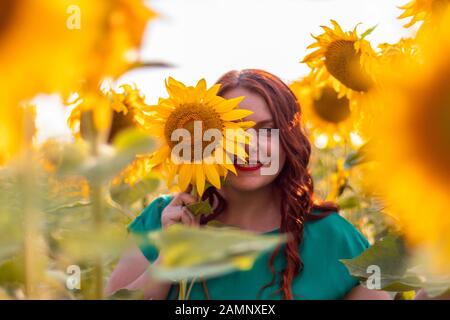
253 177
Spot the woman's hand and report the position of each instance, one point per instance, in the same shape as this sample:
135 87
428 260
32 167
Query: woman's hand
176 211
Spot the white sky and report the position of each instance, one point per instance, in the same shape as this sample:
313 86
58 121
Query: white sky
206 38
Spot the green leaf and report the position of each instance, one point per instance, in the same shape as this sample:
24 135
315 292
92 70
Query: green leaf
128 143
126 195
200 208
134 141
348 202
204 252
73 205
368 31
390 255
358 157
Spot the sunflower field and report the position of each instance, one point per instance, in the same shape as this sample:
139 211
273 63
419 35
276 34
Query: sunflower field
378 118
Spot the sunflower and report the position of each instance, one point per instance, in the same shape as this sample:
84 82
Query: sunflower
344 58
116 110
88 40
413 145
119 38
423 10
324 112
185 107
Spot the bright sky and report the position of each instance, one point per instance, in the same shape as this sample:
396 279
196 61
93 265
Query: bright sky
206 38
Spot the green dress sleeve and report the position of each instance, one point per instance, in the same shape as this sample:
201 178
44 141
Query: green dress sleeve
149 220
326 242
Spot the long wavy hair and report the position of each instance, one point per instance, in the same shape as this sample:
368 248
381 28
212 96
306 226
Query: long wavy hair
294 182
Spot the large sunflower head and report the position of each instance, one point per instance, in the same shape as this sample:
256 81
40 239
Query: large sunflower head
197 110
343 57
423 10
327 116
413 139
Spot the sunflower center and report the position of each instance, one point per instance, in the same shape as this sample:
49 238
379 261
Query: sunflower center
330 108
120 121
343 63
186 117
431 128
438 6
7 10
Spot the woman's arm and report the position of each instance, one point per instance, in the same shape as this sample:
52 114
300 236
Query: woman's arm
362 293
131 274
131 271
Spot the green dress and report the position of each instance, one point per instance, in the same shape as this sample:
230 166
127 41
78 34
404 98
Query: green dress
325 241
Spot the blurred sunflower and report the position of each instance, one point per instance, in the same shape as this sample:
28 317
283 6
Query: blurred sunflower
324 112
116 110
413 145
118 38
423 10
185 106
88 40
19 129
393 53
344 58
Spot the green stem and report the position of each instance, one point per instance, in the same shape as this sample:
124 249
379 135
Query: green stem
190 288
97 196
182 292
97 215
33 241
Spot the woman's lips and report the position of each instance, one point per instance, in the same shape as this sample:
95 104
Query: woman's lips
246 167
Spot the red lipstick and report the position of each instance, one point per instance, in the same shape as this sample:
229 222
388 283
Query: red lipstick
248 167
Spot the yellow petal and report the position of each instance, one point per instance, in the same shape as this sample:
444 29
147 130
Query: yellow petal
172 82
212 174
228 105
200 179
235 114
159 156
185 176
172 170
201 86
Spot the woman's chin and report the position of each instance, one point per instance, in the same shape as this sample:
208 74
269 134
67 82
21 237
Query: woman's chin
248 183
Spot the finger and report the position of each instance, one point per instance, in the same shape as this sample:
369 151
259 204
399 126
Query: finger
191 216
186 218
183 199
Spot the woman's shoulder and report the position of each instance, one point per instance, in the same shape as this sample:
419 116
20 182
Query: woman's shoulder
337 234
150 218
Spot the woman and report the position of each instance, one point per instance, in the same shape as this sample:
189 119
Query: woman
308 266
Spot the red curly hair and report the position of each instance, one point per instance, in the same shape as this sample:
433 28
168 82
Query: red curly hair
294 181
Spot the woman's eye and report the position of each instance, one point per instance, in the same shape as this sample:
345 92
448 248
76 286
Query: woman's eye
267 131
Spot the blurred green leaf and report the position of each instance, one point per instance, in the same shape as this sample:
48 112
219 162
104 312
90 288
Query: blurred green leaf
206 252
200 208
348 202
390 255
12 271
133 141
126 194
128 143
357 157
83 244
127 295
